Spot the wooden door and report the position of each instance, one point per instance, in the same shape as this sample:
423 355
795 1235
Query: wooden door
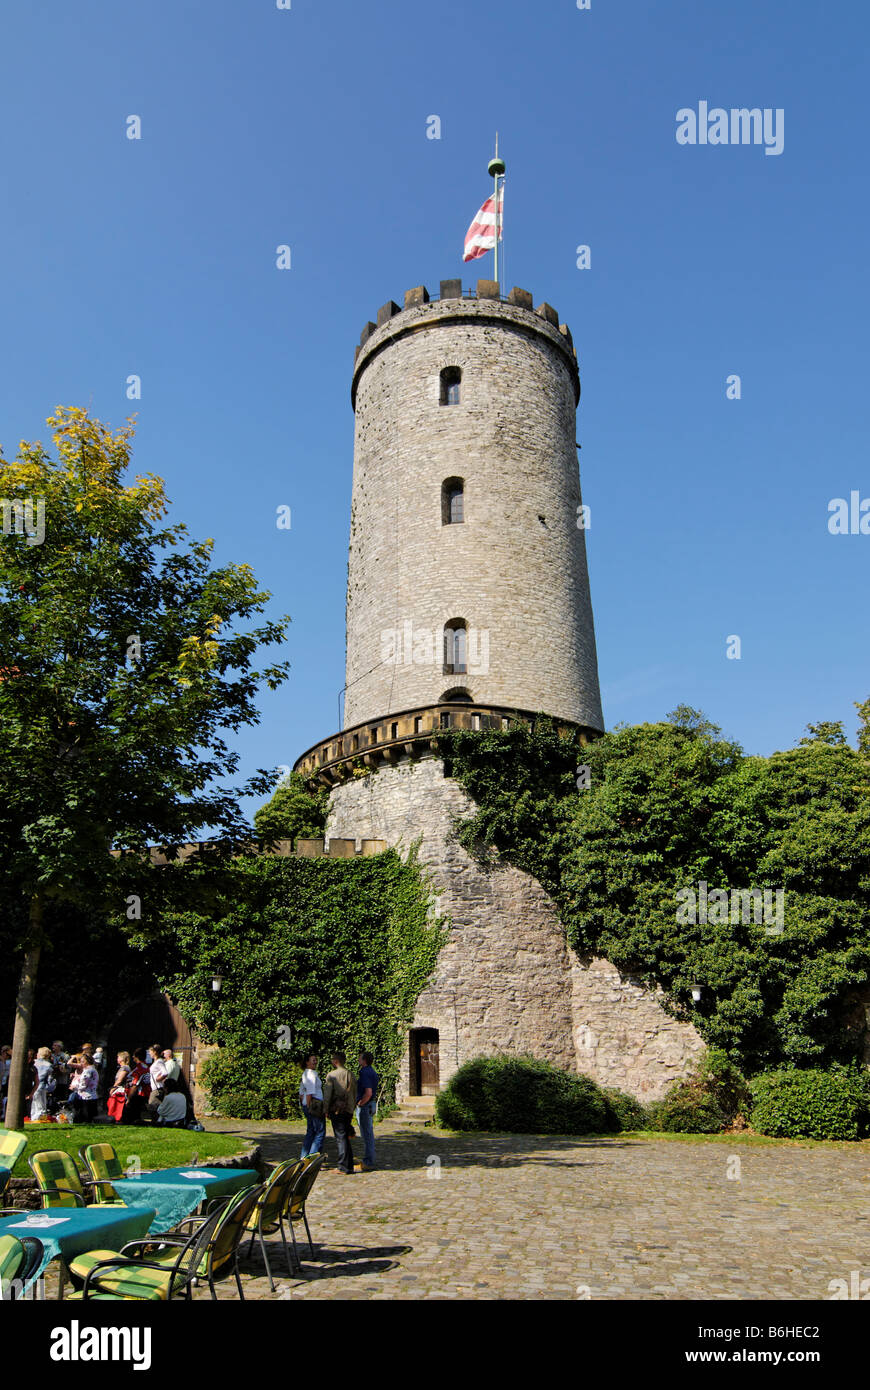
429 1083
152 1019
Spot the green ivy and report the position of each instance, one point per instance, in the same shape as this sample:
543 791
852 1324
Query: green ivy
670 805
316 955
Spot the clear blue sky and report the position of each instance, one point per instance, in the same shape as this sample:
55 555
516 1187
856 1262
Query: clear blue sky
307 126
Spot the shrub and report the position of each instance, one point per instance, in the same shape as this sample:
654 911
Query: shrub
628 1112
706 1100
522 1095
251 1087
811 1104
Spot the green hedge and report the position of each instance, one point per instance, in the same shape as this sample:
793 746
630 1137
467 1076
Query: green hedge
706 1100
252 1087
522 1095
812 1104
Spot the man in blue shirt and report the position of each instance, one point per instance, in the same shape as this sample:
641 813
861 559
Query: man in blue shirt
366 1099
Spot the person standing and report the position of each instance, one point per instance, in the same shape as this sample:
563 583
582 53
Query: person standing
158 1076
118 1094
5 1068
367 1087
61 1075
339 1092
138 1087
311 1100
82 1101
173 1070
39 1095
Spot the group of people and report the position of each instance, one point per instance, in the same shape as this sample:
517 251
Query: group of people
70 1086
57 1082
147 1086
337 1098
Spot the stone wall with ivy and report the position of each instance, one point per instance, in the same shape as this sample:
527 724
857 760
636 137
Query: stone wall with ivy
315 954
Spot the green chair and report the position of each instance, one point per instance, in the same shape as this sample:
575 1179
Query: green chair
12 1146
173 1262
268 1215
60 1181
103 1164
299 1192
19 1261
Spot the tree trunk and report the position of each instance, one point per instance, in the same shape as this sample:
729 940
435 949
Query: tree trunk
15 1102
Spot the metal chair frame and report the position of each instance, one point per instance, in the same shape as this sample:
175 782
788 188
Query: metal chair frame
300 1189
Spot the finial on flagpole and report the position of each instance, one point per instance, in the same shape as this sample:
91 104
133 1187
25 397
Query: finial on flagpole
496 166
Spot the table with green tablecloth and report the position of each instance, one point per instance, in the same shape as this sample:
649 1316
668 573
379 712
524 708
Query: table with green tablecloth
175 1192
69 1231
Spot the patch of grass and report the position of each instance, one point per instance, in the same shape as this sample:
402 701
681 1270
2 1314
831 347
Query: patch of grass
741 1138
157 1148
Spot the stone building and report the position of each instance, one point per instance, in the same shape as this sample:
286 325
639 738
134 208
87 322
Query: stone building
468 606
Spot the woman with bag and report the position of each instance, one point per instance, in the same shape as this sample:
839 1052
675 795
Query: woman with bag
311 1100
138 1088
118 1093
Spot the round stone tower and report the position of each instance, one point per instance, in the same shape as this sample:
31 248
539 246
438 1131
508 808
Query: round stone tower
468 607
467 569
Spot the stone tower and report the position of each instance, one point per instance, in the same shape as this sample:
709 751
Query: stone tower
468 606
466 499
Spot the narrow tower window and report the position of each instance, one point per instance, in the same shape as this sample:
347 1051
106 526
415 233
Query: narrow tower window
454 647
450 379
452 501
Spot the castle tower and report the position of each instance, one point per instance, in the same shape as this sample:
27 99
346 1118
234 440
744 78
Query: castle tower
467 566
468 607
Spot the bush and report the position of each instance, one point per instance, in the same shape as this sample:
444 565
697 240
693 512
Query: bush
247 1087
706 1100
811 1104
522 1095
628 1112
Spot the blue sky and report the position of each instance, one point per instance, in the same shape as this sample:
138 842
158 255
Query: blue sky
307 126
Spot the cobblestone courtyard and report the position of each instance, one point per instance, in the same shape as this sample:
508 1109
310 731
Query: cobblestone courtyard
497 1217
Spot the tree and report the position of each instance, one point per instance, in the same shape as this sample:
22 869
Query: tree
667 807
292 811
124 659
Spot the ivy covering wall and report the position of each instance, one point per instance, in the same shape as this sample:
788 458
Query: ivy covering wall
315 954
667 806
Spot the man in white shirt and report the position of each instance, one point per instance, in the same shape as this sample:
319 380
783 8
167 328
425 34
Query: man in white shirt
158 1077
173 1070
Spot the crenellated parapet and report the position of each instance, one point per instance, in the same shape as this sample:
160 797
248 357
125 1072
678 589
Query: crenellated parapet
455 306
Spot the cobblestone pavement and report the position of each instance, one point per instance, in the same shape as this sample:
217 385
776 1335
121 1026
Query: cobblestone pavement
493 1217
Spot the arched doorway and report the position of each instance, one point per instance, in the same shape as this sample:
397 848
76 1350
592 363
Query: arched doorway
153 1018
424 1068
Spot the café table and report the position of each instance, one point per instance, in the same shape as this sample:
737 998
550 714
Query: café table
69 1231
176 1192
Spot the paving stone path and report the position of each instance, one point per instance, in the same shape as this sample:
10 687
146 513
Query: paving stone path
494 1217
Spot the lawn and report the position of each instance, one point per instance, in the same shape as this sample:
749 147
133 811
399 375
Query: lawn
156 1148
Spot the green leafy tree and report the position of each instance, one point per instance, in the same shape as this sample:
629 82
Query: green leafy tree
673 804
125 659
291 811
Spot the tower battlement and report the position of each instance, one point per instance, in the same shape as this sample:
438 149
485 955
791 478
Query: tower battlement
455 306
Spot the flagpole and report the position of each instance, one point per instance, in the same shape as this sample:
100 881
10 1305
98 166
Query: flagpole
496 167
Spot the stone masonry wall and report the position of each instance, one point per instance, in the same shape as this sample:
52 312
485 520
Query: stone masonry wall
506 979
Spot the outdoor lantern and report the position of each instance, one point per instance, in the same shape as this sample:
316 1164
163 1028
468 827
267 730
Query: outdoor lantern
216 982
697 990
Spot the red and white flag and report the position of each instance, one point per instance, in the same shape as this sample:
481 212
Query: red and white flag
480 236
